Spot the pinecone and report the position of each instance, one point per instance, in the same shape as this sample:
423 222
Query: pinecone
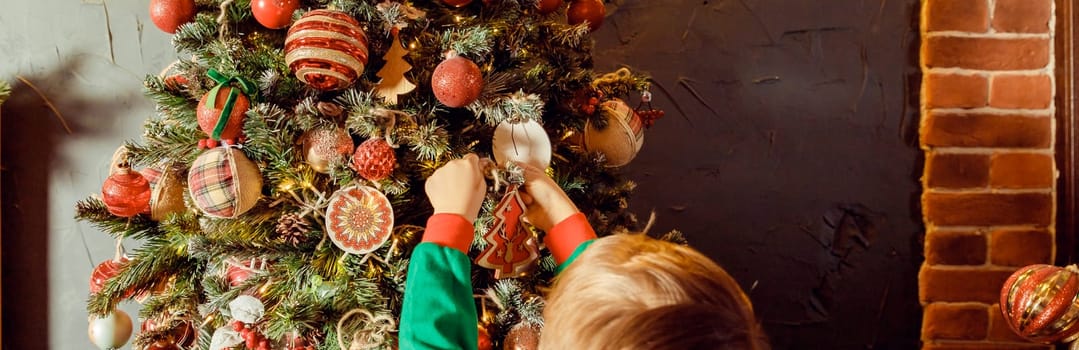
292 228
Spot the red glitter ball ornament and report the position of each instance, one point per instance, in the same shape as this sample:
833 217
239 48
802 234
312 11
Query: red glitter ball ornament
326 49
374 159
592 11
237 272
325 145
209 115
1037 303
126 193
548 6
274 14
168 15
105 271
179 338
457 81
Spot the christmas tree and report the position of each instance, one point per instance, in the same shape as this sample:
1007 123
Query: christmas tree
278 190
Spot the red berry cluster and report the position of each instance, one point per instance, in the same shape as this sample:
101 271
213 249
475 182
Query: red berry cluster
211 143
253 340
649 116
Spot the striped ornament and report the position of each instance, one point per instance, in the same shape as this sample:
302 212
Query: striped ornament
326 49
1040 303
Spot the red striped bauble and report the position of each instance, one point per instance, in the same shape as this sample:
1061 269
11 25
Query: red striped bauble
326 49
1040 302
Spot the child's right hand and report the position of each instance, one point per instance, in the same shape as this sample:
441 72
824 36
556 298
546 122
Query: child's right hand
547 204
457 187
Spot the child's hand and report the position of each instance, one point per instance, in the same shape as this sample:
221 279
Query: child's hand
457 187
547 204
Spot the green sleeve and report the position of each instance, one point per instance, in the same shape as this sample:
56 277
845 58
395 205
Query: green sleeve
438 310
576 252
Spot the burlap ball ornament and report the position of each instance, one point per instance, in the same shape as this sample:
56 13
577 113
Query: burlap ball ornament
166 191
621 139
224 183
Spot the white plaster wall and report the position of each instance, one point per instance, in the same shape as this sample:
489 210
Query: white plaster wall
64 47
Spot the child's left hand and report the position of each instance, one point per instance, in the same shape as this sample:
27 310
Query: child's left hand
458 187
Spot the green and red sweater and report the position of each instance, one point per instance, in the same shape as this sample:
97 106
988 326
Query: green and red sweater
438 311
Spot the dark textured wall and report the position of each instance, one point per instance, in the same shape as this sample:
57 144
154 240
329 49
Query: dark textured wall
788 154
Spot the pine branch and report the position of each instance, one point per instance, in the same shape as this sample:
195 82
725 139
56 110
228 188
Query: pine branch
430 141
154 262
95 211
573 36
474 42
191 37
166 140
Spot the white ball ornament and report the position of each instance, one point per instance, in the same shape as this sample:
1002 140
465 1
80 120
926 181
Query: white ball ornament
111 331
522 142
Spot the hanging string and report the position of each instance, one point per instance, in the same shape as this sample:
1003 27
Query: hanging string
222 20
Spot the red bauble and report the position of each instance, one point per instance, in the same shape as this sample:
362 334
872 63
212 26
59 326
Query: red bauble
484 341
175 82
326 49
237 272
105 271
208 115
374 159
179 338
1037 302
457 81
457 3
325 145
522 337
168 15
126 193
548 6
592 11
274 14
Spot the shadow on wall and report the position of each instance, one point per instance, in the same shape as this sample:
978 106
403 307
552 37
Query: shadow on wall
32 134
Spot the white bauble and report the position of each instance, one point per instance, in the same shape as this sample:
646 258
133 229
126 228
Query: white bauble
523 142
111 331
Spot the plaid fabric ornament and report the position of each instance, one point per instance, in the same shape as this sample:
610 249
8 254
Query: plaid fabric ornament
224 183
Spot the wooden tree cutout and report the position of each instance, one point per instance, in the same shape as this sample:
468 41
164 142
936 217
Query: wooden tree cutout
393 81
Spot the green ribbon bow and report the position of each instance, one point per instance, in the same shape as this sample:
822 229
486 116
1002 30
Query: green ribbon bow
223 80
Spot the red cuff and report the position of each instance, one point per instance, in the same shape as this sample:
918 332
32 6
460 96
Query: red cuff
567 235
449 230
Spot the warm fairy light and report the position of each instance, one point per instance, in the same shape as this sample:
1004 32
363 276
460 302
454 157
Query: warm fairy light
457 19
285 186
412 45
264 288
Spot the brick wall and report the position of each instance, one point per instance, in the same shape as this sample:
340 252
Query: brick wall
987 133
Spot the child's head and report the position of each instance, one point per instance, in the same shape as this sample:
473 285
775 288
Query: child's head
635 292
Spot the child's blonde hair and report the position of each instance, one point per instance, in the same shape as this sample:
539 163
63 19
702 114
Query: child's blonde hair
629 291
